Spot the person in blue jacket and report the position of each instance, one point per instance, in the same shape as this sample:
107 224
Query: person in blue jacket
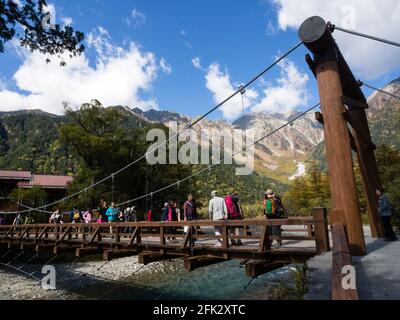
385 211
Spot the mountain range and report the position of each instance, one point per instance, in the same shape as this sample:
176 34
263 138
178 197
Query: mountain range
28 138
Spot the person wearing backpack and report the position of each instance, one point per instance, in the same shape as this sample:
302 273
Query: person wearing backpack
217 210
274 209
234 213
56 217
112 215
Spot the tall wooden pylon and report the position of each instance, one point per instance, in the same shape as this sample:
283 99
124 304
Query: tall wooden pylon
317 37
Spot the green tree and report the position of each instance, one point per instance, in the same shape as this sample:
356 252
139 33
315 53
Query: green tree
105 140
308 192
38 34
388 159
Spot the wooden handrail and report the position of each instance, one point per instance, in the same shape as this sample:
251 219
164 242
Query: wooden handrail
196 223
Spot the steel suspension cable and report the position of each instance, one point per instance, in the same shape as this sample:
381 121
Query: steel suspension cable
361 83
188 126
333 27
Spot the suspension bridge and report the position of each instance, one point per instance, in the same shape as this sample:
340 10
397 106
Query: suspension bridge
343 116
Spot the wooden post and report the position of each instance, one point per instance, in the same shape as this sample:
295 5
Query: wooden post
321 230
225 241
139 237
265 243
117 236
368 166
317 37
339 157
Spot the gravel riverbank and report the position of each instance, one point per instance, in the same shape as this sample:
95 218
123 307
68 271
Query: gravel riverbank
124 278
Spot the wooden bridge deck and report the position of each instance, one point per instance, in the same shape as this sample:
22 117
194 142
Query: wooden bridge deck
302 237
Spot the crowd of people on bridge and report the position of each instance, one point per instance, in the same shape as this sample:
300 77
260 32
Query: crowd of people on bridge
226 207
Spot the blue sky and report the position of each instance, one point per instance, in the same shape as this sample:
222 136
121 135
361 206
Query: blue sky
232 40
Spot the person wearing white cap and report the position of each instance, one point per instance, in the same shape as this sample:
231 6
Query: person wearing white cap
273 210
217 210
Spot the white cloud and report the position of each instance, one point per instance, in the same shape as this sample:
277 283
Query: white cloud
219 83
183 32
196 63
284 95
165 67
67 21
136 19
289 92
120 76
368 58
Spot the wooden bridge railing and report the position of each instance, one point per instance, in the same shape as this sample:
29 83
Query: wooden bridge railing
153 236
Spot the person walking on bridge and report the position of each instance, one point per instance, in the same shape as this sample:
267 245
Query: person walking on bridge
273 210
189 213
217 211
112 214
385 211
234 213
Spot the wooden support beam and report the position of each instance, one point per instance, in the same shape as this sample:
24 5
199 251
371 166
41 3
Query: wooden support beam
94 235
311 64
319 117
64 235
225 240
191 263
110 254
23 233
321 230
339 157
368 168
336 80
352 142
44 231
265 242
134 236
360 130
148 257
255 268
354 104
188 238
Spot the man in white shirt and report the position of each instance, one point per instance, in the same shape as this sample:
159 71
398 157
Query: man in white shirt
217 210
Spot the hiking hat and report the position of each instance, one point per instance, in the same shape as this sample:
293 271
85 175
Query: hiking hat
269 192
214 193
